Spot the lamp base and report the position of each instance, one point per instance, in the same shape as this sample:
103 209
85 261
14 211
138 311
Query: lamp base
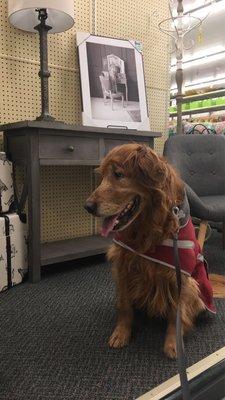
45 117
44 73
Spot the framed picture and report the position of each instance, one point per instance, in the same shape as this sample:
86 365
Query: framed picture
112 82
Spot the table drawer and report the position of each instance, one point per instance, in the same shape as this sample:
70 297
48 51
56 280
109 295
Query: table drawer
111 143
68 147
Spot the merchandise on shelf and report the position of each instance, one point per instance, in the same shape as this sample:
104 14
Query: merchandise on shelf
199 104
215 124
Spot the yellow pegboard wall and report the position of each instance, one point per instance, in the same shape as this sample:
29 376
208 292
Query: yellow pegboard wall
20 95
76 183
64 189
1 142
63 192
158 108
65 85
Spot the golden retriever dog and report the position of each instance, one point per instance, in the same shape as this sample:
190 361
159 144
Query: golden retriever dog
135 198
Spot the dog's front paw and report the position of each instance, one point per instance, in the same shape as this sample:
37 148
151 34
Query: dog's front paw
120 337
170 347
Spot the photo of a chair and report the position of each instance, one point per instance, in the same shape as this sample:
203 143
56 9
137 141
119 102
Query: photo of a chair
108 93
115 66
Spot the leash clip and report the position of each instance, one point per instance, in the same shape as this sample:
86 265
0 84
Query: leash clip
175 211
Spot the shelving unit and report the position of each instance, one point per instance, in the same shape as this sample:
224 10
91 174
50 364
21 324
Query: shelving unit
200 110
72 249
203 96
199 97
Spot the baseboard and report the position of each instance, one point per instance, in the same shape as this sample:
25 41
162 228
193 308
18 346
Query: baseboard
207 374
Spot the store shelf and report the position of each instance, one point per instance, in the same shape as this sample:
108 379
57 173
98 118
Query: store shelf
72 249
203 96
200 110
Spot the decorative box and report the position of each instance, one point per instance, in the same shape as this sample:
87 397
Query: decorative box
13 250
6 184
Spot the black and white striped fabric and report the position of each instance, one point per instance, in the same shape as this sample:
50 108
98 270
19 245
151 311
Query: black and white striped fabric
6 184
13 250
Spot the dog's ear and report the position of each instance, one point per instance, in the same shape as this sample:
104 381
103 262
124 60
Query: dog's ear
147 167
154 173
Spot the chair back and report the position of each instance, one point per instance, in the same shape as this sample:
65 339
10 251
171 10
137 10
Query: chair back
105 83
200 160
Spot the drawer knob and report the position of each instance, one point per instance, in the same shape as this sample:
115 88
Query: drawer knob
70 148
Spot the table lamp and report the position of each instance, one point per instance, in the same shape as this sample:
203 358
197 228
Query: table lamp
42 16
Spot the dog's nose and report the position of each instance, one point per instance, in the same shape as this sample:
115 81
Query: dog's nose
91 206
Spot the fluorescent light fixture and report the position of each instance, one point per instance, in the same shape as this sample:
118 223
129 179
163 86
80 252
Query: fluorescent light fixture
200 84
210 78
200 54
211 7
201 61
205 84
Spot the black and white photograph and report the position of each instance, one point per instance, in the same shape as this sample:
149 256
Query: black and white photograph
112 82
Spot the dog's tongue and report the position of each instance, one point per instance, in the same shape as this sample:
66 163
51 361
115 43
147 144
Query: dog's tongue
108 225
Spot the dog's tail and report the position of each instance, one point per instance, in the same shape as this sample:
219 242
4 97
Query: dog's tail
218 285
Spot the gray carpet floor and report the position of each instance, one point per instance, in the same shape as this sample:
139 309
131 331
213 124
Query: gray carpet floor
53 337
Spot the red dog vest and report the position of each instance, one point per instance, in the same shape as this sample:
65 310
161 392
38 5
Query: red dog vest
192 262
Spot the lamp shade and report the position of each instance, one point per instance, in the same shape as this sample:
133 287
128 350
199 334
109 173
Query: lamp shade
22 14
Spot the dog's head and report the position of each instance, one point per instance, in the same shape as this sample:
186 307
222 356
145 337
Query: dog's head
136 185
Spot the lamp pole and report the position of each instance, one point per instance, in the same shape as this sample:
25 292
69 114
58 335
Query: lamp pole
44 73
179 71
177 28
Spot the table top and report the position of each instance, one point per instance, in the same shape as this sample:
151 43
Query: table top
61 126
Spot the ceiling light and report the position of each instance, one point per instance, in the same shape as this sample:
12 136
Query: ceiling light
200 53
198 84
205 85
211 7
201 61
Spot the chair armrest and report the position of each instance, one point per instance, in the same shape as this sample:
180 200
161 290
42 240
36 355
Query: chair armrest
198 208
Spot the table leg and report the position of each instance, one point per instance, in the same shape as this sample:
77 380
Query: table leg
223 235
126 94
34 244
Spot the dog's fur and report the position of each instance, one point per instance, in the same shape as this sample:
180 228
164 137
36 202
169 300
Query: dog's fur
141 283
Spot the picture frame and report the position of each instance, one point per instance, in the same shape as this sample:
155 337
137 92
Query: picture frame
112 82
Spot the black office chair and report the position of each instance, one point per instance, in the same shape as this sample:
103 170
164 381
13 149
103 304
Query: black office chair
200 159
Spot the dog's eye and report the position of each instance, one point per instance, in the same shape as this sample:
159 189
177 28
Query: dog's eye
118 174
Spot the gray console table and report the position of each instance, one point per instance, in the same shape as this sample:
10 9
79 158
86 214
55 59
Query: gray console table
35 143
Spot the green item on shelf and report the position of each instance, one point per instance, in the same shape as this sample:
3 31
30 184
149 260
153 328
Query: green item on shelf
193 105
206 103
213 102
186 106
220 101
173 109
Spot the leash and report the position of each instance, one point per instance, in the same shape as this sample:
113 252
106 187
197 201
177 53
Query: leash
178 213
181 358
